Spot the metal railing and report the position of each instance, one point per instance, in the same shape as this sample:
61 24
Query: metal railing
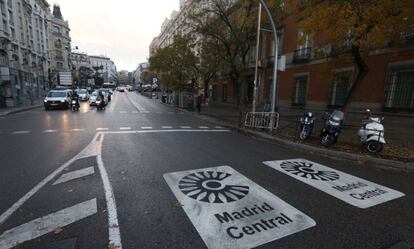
262 120
302 55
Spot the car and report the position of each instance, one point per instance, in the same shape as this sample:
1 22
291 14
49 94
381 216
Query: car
57 99
94 96
122 90
83 94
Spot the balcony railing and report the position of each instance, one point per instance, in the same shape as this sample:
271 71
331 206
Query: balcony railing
302 55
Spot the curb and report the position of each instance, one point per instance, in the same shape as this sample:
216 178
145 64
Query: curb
21 110
362 159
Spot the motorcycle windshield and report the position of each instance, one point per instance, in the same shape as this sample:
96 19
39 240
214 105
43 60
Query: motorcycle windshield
337 116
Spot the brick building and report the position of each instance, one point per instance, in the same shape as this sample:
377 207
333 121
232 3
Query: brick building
318 82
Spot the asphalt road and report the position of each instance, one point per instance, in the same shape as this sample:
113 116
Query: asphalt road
135 143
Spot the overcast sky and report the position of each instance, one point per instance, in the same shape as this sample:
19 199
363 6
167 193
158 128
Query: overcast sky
119 29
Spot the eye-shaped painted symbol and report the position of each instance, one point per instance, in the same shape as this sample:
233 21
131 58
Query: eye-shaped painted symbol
208 186
305 170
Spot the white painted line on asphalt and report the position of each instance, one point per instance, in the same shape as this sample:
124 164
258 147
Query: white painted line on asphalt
348 188
77 130
218 127
146 127
20 132
75 175
203 127
165 131
88 151
50 131
231 211
136 104
166 127
102 129
47 224
185 127
125 128
113 224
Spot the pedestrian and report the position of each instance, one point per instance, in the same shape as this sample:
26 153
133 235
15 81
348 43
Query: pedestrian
198 103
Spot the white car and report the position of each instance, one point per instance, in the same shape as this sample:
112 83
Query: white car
83 94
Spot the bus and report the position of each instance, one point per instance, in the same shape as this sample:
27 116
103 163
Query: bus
111 86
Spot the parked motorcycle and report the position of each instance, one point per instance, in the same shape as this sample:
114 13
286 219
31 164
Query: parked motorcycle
330 133
74 105
306 125
371 133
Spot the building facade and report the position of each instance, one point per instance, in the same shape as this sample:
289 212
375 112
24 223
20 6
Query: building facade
27 65
105 66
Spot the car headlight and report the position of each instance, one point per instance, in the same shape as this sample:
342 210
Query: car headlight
45 100
63 101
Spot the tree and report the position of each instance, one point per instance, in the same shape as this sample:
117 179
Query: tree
364 25
176 64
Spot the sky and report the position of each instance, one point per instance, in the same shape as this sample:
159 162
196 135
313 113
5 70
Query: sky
119 29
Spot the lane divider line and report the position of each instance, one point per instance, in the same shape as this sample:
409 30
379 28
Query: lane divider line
20 132
75 175
77 130
185 127
203 127
102 129
166 127
124 128
47 224
146 127
50 131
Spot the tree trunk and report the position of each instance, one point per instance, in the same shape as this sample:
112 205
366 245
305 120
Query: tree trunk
362 72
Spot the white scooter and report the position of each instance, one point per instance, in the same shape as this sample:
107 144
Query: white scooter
371 133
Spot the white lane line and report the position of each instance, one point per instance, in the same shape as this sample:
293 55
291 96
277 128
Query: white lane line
218 127
113 224
146 127
125 128
136 104
185 127
88 151
77 130
47 224
75 175
165 131
50 131
203 127
20 132
166 127
102 129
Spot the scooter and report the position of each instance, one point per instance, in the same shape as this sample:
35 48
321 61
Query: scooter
306 125
330 133
100 104
74 105
371 133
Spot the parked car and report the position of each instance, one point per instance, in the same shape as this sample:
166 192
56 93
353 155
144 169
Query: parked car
83 94
57 99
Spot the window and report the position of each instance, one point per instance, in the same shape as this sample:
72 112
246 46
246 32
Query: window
340 88
399 91
300 91
224 93
3 8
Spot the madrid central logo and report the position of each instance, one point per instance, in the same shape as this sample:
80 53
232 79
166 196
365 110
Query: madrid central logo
208 186
306 170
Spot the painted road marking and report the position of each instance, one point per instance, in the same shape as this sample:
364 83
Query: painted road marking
166 127
218 127
203 127
50 131
75 175
348 188
77 130
166 131
124 128
102 129
231 211
146 127
20 132
185 127
47 224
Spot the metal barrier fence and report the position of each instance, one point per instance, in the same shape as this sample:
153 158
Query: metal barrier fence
262 120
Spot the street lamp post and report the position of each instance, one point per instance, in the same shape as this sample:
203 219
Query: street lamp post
274 80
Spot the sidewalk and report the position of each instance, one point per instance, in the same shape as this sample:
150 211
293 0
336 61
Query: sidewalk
25 106
398 153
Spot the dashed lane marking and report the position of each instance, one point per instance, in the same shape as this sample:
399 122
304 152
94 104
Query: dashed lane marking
77 130
146 127
124 128
102 129
203 127
166 127
20 132
218 127
47 224
185 127
50 131
75 175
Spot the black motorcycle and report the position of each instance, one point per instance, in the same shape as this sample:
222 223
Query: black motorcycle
330 133
75 104
100 104
306 125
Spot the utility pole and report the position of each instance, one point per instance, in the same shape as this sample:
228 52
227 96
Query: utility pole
274 80
256 73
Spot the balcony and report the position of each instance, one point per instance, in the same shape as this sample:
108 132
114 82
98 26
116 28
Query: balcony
302 55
